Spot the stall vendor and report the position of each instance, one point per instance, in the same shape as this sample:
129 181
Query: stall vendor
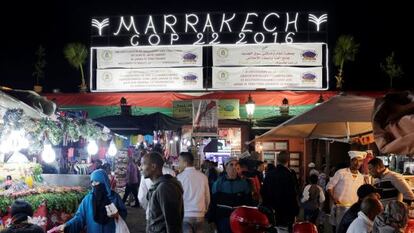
391 183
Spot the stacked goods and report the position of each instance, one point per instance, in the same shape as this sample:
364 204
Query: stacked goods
121 163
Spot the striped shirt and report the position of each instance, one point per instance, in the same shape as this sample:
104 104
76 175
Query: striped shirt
393 186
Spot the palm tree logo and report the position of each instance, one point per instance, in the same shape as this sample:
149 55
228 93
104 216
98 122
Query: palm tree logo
318 21
100 25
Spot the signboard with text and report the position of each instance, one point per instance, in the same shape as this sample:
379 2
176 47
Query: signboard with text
138 57
209 28
268 78
210 51
309 54
228 109
150 79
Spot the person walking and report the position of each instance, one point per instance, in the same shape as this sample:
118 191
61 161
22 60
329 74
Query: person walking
92 213
280 192
312 199
165 198
196 194
228 191
132 182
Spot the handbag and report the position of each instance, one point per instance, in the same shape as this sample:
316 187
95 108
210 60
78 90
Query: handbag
121 226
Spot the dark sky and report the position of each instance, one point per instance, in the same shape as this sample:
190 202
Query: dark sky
379 27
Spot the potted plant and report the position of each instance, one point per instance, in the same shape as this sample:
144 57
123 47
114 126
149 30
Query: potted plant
39 67
391 68
76 54
345 50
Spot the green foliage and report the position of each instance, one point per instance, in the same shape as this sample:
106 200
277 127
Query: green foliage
392 68
67 201
76 54
345 50
40 64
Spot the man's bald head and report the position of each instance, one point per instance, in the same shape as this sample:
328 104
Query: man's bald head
371 207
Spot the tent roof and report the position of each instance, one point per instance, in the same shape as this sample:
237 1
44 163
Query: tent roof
341 116
142 124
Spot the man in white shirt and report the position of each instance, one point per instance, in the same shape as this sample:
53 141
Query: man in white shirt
196 194
370 208
343 186
145 185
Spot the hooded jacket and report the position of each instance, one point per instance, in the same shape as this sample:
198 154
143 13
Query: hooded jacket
84 216
165 206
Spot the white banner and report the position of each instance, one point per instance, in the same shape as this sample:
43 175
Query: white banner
304 54
148 56
269 78
160 79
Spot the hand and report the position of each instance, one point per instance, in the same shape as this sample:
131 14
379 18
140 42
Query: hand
60 228
116 215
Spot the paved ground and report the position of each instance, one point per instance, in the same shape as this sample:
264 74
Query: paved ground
136 220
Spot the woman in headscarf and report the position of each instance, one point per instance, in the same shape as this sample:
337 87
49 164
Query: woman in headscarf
92 213
393 220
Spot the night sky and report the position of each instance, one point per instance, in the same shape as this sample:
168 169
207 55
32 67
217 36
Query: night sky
379 28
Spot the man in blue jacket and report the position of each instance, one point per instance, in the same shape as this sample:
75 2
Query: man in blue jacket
92 213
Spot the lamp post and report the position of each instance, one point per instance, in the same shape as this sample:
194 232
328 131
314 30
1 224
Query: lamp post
250 106
284 108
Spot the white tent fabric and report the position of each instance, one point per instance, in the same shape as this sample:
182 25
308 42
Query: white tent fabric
8 102
341 117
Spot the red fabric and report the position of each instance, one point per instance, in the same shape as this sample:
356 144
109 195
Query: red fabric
304 227
165 99
248 220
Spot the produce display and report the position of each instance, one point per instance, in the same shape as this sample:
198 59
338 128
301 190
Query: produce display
57 198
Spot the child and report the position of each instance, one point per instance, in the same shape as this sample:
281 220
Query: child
312 199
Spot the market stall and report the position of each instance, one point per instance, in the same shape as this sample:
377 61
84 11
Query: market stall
31 141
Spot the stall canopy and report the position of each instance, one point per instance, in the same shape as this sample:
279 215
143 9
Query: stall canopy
142 124
341 117
9 102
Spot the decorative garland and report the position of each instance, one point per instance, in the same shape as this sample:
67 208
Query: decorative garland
56 131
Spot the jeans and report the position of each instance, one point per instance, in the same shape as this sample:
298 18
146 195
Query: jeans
193 225
223 225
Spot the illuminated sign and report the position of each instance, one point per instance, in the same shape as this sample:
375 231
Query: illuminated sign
209 28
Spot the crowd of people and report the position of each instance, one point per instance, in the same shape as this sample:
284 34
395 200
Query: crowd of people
193 201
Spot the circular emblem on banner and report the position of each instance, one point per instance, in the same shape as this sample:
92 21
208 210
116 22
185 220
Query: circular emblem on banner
223 52
107 77
223 75
106 55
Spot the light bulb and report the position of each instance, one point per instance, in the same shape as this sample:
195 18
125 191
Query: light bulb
48 154
112 149
155 141
171 141
176 138
92 147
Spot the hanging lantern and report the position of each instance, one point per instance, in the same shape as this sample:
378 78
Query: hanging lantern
250 106
112 149
48 154
92 147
